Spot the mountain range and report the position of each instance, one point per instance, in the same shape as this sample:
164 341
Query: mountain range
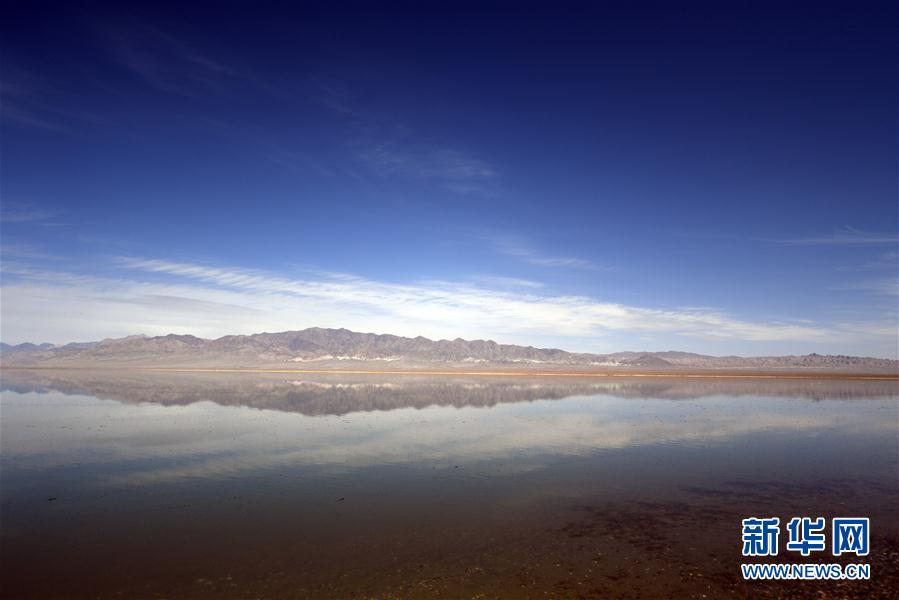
316 348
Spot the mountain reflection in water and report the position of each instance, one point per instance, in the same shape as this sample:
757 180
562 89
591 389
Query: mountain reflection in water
150 484
337 394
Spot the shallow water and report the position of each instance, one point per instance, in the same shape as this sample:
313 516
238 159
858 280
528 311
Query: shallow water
151 485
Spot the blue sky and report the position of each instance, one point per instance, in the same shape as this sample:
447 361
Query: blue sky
717 177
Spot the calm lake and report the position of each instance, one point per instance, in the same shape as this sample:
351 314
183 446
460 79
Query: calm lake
216 485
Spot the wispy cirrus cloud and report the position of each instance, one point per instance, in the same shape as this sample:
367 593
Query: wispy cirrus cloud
163 60
879 275
390 149
13 112
886 260
887 286
23 105
506 282
212 301
518 248
26 251
848 236
24 212
335 96
35 102
411 160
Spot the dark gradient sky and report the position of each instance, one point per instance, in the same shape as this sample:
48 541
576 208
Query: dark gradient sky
719 177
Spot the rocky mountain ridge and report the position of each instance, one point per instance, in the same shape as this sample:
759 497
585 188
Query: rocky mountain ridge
330 348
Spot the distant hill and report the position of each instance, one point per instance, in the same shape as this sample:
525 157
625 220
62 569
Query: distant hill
26 347
332 348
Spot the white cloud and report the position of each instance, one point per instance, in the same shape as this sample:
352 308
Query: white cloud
158 297
518 249
162 60
410 160
25 251
24 212
848 236
506 282
888 286
391 150
448 303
